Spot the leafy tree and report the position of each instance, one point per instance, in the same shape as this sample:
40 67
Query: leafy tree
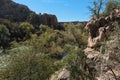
26 65
76 62
43 28
110 6
25 30
4 36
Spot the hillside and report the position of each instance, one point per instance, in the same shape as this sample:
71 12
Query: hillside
103 46
100 59
38 47
15 12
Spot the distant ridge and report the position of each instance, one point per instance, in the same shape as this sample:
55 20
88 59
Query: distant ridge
74 22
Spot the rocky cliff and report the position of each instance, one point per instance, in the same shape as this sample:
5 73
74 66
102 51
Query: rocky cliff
104 53
48 19
19 13
13 11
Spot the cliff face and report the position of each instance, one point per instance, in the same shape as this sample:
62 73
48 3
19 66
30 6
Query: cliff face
19 13
48 19
13 11
105 57
99 27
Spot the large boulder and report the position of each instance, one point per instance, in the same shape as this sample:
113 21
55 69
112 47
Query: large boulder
62 74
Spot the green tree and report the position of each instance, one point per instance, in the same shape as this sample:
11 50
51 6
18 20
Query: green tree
78 66
110 6
26 30
4 36
26 65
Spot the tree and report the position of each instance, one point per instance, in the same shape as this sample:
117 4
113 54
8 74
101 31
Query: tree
25 30
4 36
26 65
96 9
110 6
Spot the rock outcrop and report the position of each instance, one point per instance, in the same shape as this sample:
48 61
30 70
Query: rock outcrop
13 11
45 19
62 74
48 19
98 28
106 60
19 13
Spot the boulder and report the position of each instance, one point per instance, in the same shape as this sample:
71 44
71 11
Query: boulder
62 74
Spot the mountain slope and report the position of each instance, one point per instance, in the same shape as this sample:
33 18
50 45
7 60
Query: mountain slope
19 13
13 11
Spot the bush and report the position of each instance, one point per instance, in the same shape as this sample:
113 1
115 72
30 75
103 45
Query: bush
76 63
4 36
26 65
26 30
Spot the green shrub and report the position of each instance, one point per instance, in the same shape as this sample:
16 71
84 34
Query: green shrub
76 63
26 29
4 36
43 27
26 65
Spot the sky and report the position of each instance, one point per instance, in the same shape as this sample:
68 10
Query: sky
65 10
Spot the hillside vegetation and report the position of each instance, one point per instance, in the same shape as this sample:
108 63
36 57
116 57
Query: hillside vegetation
38 47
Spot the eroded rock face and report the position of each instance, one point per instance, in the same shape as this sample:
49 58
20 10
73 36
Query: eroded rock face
45 19
98 28
13 11
50 20
106 60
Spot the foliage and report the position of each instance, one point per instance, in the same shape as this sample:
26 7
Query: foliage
26 29
110 5
76 33
102 7
113 47
40 56
26 65
37 52
76 63
4 36
43 27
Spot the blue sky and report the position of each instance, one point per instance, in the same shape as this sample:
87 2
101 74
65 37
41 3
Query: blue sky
65 10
